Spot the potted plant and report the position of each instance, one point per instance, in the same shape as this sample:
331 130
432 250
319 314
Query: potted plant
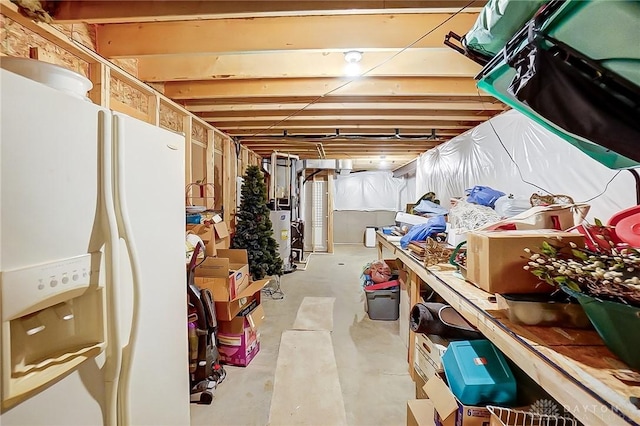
606 282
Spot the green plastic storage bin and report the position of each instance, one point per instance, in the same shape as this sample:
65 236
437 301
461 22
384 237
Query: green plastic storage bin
478 373
573 23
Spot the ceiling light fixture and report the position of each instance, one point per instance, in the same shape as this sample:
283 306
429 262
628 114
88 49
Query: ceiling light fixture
352 58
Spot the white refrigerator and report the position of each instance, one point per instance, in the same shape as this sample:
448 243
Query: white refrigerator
92 283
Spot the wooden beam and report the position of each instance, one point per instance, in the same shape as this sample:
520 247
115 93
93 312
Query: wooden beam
188 167
259 100
210 167
338 116
317 87
231 110
279 33
120 106
409 131
109 11
345 146
228 179
383 123
100 93
154 109
426 62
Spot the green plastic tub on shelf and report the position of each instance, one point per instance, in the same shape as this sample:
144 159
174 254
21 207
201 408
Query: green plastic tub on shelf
579 24
618 325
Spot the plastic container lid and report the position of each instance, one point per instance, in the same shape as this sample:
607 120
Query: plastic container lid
478 373
51 75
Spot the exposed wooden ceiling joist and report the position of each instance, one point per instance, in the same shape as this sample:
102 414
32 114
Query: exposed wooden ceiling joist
273 132
360 123
278 33
369 86
272 73
319 108
431 62
342 114
241 101
110 11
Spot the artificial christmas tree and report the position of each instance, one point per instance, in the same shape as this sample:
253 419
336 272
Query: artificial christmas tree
254 230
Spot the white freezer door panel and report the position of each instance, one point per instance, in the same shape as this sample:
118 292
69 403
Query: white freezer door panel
49 199
49 174
153 180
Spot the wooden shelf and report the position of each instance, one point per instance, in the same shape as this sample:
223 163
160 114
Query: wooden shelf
574 366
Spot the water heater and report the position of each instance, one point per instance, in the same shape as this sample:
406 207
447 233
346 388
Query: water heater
281 220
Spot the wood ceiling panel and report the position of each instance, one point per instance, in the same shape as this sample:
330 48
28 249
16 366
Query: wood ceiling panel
272 74
302 131
431 62
242 101
319 108
361 123
369 86
338 114
114 11
339 32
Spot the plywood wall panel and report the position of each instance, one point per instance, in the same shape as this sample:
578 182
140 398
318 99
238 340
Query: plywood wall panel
171 119
199 133
128 95
16 40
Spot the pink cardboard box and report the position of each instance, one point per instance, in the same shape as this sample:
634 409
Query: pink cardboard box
239 338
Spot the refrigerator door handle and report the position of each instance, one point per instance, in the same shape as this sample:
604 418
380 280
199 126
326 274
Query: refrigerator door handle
113 360
126 234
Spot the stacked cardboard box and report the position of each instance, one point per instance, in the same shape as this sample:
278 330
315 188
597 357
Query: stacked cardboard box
427 360
214 236
237 304
495 259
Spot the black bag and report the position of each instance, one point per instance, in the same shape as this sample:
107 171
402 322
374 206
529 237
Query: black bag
442 320
578 95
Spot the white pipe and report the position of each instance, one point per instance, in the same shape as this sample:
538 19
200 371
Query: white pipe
113 361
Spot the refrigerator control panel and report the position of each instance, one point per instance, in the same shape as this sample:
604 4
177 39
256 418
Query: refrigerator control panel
30 288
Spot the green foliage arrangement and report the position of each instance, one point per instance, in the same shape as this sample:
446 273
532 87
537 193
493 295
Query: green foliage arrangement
254 230
612 274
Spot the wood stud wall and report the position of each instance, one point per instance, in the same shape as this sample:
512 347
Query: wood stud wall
115 86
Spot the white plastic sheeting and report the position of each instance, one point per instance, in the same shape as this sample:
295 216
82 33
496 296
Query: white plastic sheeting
368 191
478 158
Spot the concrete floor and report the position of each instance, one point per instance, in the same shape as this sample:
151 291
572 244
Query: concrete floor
370 355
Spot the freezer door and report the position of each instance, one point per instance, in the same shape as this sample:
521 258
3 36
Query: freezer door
149 196
49 193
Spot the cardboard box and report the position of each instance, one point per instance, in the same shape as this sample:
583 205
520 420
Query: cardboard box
420 382
205 232
239 338
495 259
455 236
225 276
221 237
419 412
227 311
410 219
428 354
451 412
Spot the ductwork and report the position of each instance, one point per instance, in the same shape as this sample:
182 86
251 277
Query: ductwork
341 166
